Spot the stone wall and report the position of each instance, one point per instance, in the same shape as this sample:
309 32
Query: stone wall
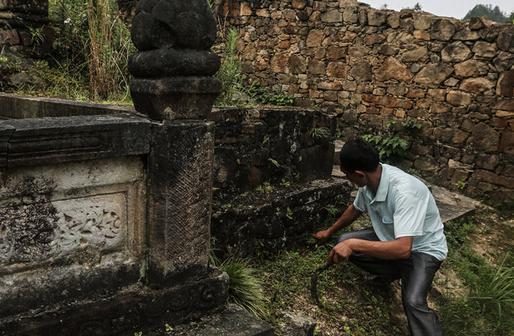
454 78
274 145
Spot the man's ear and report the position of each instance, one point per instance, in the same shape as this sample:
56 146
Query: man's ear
360 173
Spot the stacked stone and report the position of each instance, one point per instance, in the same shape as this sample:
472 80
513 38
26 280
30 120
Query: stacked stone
456 78
17 19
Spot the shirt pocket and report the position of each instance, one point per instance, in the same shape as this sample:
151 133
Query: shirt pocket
387 220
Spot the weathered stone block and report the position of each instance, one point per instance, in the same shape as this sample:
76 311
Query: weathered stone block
476 85
415 54
471 68
455 52
457 98
442 29
175 97
484 50
505 87
393 69
376 17
332 16
433 74
315 38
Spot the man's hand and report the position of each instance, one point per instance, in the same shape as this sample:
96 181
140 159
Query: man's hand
322 235
341 252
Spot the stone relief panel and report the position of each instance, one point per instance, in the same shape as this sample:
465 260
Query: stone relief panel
98 221
62 214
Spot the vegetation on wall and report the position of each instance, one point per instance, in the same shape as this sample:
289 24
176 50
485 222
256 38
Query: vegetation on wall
394 141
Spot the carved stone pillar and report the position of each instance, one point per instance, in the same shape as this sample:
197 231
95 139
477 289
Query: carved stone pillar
173 83
17 19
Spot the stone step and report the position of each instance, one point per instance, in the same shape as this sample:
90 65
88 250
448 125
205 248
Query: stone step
451 205
233 321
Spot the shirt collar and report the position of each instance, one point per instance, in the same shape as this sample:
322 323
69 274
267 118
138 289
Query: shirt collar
383 186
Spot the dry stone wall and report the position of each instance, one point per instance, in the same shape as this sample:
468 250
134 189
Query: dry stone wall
454 78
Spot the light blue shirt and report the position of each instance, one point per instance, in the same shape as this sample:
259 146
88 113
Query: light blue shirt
404 207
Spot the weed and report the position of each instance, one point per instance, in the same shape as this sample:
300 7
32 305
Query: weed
262 95
320 134
461 184
229 73
245 288
265 188
388 146
483 311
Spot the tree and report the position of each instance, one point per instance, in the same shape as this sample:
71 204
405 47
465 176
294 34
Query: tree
494 14
417 7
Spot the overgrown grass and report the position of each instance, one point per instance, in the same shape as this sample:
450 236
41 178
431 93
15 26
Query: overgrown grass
235 88
489 306
89 57
245 288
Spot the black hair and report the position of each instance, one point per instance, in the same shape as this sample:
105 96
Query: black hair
358 154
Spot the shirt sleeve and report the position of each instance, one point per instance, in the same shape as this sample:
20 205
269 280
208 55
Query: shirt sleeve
359 203
409 214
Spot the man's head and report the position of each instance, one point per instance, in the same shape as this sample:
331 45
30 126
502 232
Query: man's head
358 160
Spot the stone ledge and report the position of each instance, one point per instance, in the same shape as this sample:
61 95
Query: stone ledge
233 321
25 142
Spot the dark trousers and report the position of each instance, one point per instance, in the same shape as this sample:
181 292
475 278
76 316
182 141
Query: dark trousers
416 274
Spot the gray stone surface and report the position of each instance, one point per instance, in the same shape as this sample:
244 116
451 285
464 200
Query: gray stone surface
233 321
16 107
63 225
174 67
263 223
26 142
179 198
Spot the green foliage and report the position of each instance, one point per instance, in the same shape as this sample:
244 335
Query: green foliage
320 134
262 95
234 90
495 14
487 310
388 146
245 288
395 140
229 73
92 47
265 188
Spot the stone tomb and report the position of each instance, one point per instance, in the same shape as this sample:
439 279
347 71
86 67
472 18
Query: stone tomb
104 221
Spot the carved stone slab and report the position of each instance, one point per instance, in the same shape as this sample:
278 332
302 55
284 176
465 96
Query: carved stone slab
70 212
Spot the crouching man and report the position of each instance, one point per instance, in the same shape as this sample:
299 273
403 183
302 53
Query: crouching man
407 241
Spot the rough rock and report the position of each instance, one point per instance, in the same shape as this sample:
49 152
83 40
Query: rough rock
433 74
455 52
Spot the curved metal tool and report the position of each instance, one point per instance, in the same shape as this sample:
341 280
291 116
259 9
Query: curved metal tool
314 282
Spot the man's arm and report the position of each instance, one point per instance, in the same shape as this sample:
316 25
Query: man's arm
399 248
348 217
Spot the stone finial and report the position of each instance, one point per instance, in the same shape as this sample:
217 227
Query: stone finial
174 67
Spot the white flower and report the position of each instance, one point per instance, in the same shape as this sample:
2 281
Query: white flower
67 21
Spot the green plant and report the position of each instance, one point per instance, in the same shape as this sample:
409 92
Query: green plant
229 73
245 289
265 188
388 146
461 184
497 291
92 47
393 142
262 95
320 134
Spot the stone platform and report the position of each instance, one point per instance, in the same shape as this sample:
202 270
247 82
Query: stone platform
233 321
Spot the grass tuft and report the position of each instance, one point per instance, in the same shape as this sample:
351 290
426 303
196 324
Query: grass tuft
245 288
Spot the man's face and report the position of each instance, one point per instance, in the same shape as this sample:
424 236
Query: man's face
357 177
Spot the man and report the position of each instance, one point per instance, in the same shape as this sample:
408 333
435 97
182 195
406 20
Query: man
407 241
